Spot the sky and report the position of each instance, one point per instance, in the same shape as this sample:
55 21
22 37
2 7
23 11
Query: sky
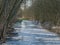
28 4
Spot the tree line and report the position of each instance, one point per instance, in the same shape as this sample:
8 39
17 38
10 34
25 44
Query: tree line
46 11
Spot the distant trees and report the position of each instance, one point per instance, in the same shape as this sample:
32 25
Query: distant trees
47 11
44 11
8 11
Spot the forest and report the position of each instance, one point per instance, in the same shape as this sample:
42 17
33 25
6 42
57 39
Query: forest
46 12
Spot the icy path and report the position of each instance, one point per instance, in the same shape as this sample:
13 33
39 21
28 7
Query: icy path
33 36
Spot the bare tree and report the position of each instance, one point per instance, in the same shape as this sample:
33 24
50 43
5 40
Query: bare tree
8 10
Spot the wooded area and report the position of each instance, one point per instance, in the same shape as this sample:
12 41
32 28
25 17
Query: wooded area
44 11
